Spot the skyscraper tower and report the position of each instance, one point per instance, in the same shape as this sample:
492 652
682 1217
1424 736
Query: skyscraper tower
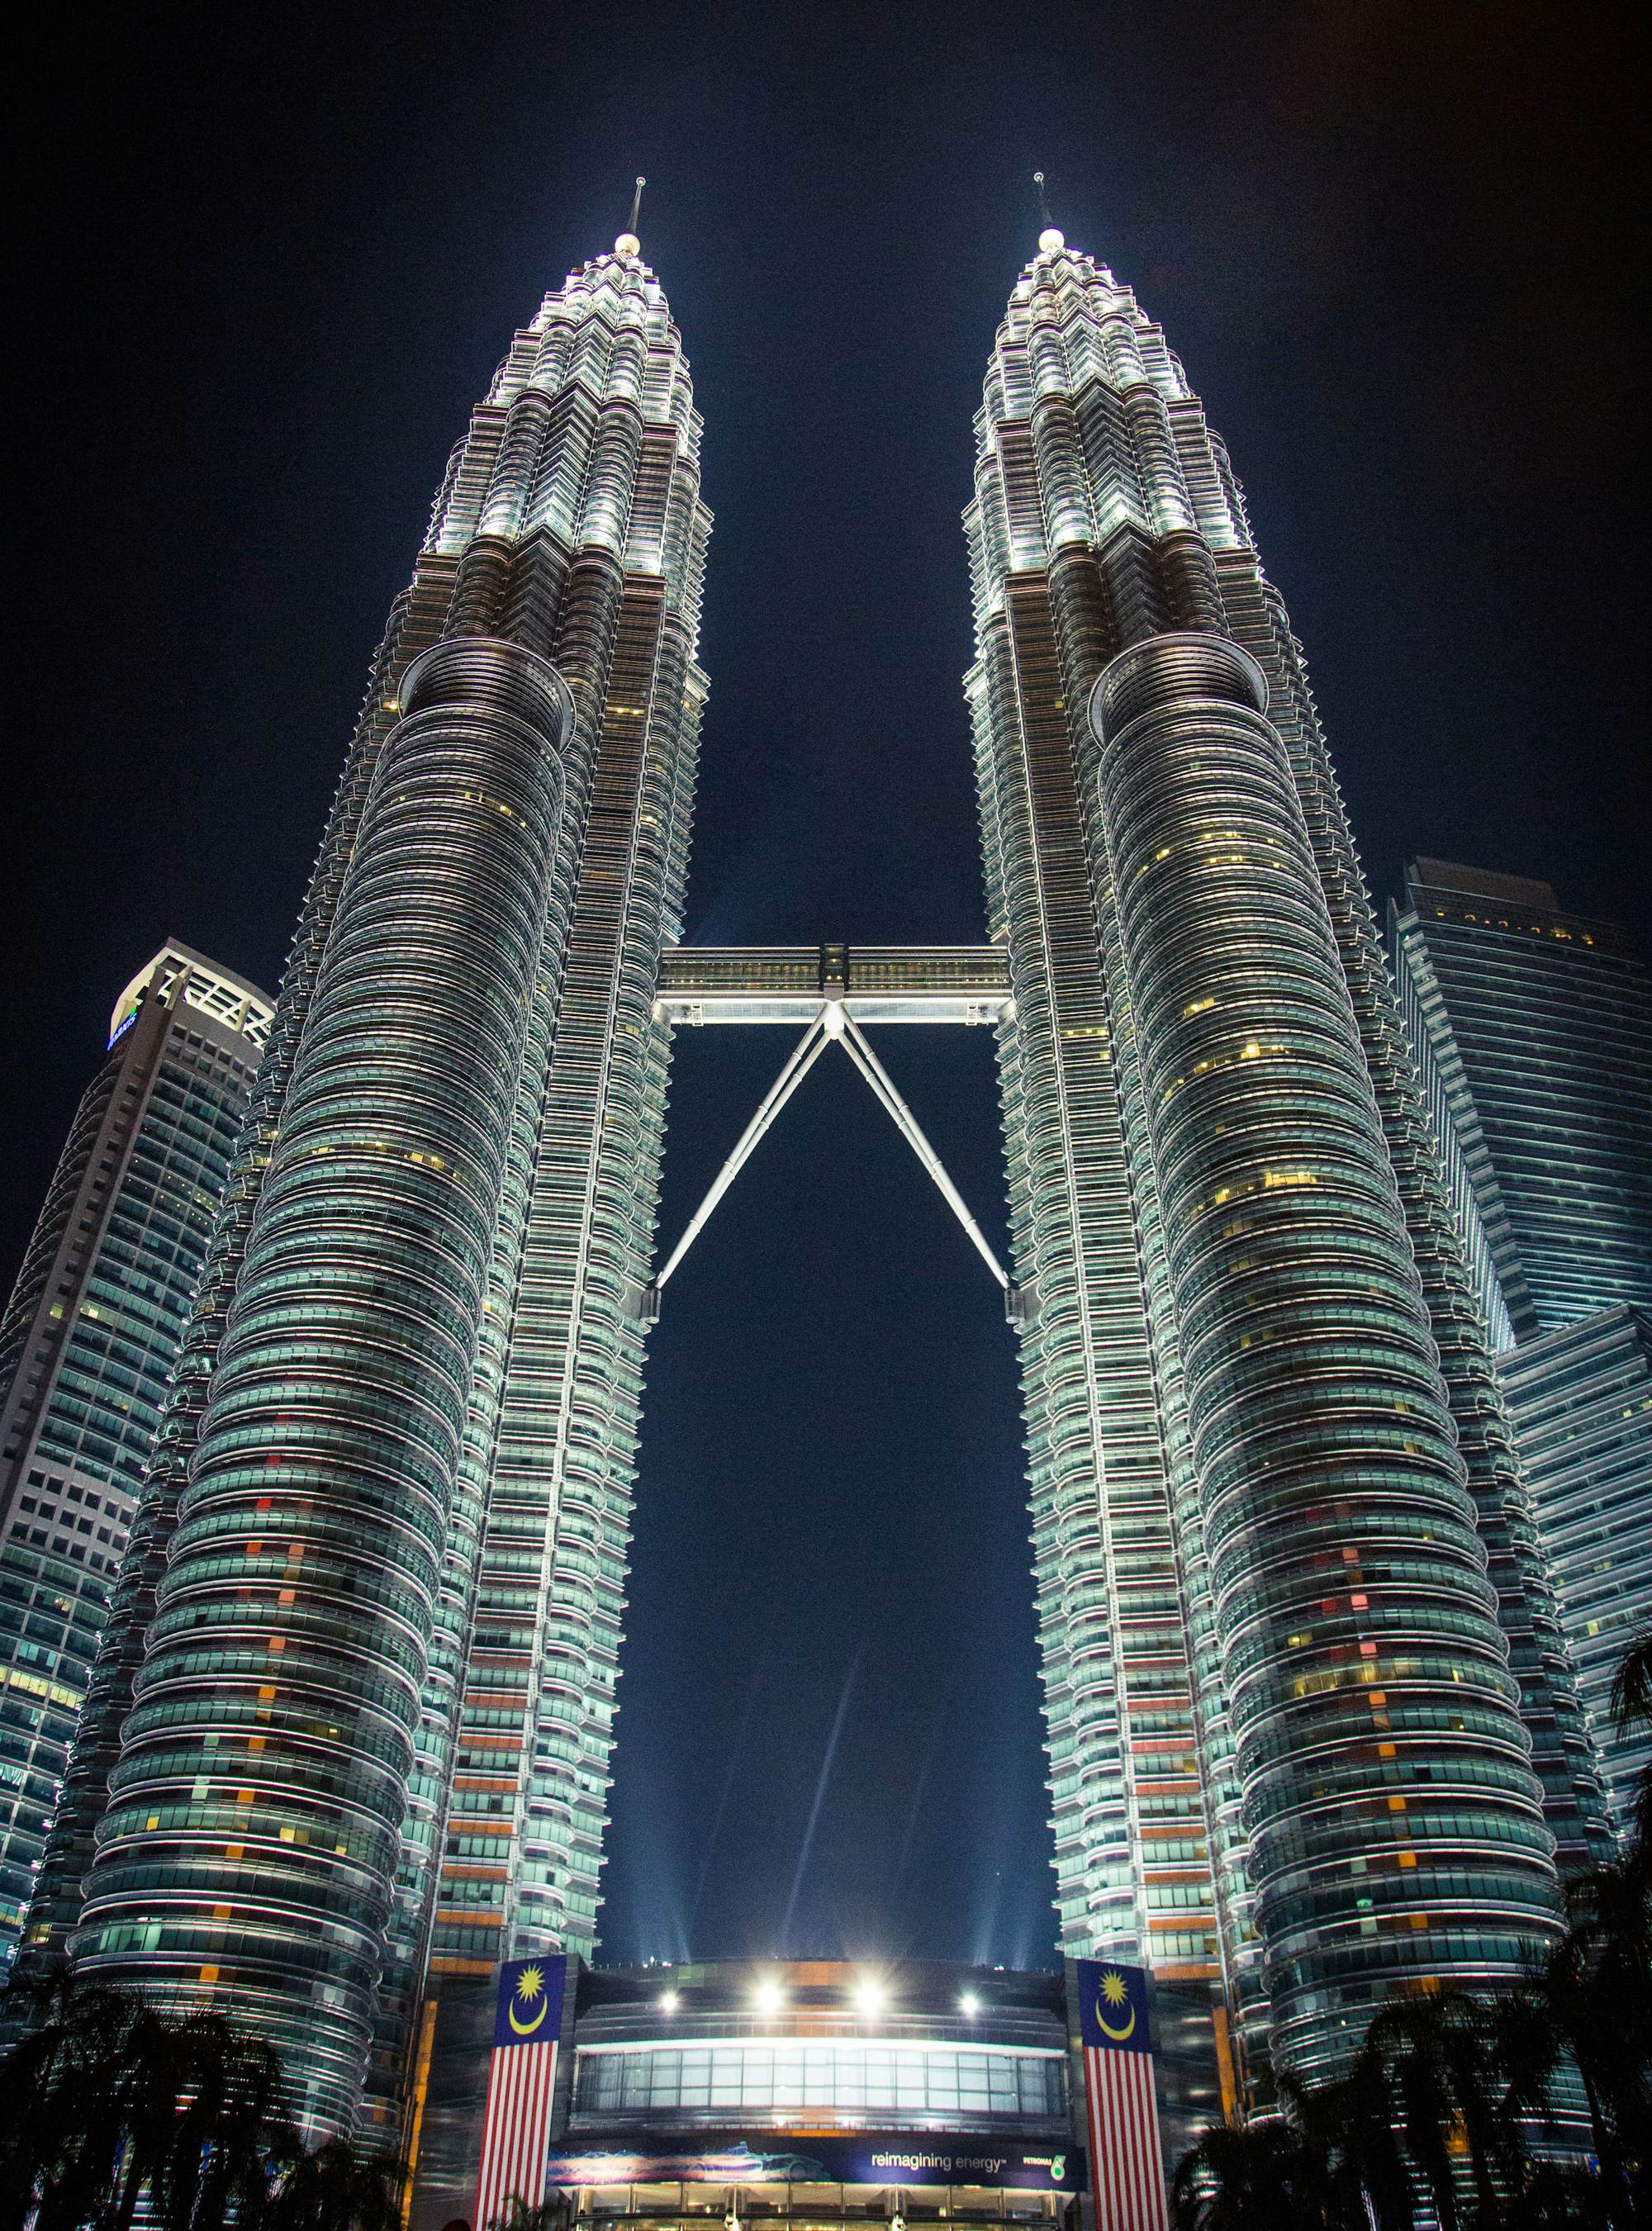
1312 1729
87 1344
355 1709
1531 1029
1531 1026
1291 1618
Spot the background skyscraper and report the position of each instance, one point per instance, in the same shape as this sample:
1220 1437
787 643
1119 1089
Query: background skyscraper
87 1344
407 1407
1531 1030
1284 1708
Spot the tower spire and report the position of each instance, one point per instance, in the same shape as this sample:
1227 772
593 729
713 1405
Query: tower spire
628 244
1050 239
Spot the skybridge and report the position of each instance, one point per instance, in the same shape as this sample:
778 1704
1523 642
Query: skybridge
870 983
832 990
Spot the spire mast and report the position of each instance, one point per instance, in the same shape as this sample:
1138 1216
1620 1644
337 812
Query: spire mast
1051 238
628 244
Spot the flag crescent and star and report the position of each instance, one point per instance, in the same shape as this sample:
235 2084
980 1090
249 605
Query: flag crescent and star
530 1987
1113 1993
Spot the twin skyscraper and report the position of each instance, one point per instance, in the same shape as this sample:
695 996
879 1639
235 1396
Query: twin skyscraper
1313 1735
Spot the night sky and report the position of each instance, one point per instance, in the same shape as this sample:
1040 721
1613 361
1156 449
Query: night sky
273 256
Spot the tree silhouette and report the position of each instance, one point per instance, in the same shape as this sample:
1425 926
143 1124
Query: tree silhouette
110 2106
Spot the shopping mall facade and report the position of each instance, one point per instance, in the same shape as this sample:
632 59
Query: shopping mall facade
819 2091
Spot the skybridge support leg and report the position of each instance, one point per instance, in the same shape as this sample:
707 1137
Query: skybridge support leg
1020 1304
860 1052
805 1054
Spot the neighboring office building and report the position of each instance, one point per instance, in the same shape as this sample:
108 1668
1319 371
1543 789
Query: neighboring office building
1581 1399
1532 1027
87 1344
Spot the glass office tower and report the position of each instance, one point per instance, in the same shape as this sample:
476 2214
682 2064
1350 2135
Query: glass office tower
1312 1732
1531 1029
1581 1399
1537 1024
87 1345
354 1711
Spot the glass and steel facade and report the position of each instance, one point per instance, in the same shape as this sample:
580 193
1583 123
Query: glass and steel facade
1538 1022
1312 1732
87 1345
1532 1028
1582 1402
351 1725
840 2077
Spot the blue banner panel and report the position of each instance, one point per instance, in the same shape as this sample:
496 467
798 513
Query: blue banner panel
529 2010
1112 2006
865 2157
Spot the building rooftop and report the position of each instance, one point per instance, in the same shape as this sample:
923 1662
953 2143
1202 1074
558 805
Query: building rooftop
215 990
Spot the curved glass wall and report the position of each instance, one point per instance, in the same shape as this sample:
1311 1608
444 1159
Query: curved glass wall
1384 1770
254 1820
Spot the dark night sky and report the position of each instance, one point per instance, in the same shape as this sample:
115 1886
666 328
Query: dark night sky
273 255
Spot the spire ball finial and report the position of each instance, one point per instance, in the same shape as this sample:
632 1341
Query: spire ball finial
1050 241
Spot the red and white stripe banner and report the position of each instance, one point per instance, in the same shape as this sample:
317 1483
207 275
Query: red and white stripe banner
522 2088
516 2135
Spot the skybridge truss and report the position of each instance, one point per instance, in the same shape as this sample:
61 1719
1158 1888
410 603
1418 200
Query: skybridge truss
832 989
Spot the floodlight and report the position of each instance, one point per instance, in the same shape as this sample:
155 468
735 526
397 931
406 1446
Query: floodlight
871 1997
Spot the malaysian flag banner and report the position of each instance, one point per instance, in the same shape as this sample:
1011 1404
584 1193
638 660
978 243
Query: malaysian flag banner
1126 2167
521 2084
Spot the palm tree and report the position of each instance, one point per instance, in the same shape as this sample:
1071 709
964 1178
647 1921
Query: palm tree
1292 2170
108 2103
1632 1683
1632 1701
1232 2180
1595 1992
1429 2067
61 2150
228 2130
160 2062
337 2188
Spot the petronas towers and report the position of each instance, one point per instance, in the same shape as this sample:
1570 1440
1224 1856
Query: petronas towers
1312 1735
